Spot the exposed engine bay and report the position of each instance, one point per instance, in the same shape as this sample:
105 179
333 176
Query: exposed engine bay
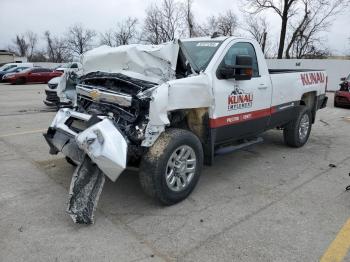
115 95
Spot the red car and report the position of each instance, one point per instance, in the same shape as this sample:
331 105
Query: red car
33 75
342 97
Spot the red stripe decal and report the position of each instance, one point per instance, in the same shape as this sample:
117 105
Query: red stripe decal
234 119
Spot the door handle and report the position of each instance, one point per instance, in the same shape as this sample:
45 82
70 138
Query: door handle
262 86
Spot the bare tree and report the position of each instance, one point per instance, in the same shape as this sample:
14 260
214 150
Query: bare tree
21 45
285 9
39 56
125 33
305 39
189 18
107 38
163 22
227 23
57 49
25 44
257 27
224 24
80 39
32 39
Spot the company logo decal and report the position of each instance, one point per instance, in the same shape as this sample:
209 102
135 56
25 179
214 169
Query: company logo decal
238 99
312 78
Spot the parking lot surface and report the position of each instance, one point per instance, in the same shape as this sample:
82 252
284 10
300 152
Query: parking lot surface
266 203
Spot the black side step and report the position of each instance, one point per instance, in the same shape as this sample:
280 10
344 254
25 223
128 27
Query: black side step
229 149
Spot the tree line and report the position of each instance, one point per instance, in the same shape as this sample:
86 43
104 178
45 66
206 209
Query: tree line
302 26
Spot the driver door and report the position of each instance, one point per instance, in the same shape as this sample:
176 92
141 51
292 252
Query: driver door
241 108
35 75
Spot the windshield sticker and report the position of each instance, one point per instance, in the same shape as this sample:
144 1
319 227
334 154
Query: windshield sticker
208 44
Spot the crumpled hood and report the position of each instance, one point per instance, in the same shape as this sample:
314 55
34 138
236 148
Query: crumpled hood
154 63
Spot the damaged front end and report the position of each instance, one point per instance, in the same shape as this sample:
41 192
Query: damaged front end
102 134
116 114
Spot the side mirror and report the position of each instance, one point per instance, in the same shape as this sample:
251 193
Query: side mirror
242 70
343 79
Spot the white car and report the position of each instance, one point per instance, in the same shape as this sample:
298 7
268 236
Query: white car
74 66
51 92
4 75
8 66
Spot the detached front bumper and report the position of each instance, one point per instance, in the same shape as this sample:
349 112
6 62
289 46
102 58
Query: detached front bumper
76 134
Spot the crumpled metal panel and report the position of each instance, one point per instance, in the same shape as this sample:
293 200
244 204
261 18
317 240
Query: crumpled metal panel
106 147
85 190
154 63
190 92
103 142
62 116
186 93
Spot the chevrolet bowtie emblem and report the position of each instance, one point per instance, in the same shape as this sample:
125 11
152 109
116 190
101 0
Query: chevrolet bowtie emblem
95 94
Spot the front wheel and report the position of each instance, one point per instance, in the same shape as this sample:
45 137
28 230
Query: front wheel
297 132
170 170
335 103
20 81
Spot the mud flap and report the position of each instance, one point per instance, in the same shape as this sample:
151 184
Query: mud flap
85 190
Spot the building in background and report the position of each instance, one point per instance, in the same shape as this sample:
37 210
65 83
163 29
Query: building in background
9 57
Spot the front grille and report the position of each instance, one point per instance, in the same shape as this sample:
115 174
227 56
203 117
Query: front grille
51 96
52 86
102 95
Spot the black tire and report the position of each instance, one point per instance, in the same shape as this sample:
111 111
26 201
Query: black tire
70 161
335 103
291 134
154 165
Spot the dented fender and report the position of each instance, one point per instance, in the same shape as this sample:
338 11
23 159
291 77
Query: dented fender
106 147
185 93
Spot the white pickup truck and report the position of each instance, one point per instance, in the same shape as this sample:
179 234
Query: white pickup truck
171 108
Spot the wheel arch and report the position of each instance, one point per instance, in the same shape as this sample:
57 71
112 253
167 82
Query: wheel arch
309 99
195 120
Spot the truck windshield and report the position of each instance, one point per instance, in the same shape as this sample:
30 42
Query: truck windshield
201 52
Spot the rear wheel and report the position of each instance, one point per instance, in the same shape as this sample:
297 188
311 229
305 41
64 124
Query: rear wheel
297 132
170 170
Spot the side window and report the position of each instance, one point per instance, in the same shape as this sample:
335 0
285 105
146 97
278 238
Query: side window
9 67
242 49
40 70
74 65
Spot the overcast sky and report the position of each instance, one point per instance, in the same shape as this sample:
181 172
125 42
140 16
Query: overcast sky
18 16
